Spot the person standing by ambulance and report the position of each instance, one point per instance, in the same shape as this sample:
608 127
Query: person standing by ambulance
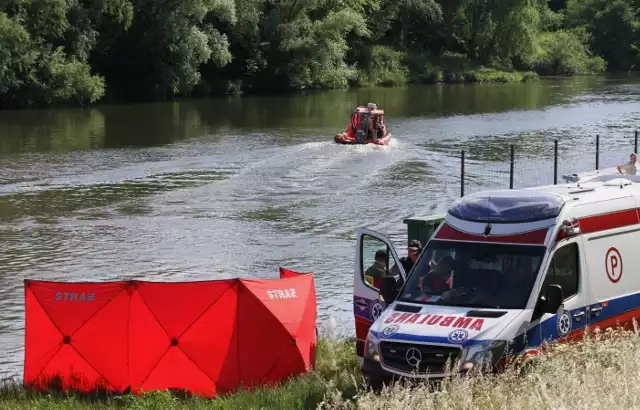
407 262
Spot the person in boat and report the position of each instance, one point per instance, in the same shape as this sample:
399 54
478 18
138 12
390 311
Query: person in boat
378 269
630 168
378 127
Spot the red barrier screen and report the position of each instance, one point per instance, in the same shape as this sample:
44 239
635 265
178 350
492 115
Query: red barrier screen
205 337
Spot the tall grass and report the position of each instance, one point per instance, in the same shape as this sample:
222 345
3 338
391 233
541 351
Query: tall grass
599 372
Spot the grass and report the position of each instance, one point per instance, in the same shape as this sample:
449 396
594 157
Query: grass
599 372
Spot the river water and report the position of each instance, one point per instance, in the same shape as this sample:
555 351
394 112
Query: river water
212 189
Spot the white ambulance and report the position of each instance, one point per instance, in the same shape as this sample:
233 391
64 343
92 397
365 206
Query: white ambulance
504 272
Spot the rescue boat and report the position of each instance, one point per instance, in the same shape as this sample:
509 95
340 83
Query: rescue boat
366 127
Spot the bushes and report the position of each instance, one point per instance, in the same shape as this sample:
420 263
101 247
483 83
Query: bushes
565 52
382 66
456 68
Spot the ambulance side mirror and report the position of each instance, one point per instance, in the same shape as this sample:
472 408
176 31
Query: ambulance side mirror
389 289
554 299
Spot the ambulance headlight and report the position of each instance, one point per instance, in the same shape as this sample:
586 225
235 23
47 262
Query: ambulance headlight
371 349
484 353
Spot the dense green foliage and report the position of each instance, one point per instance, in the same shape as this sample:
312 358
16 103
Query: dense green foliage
78 51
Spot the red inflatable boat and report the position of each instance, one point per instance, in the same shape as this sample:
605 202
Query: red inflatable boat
366 127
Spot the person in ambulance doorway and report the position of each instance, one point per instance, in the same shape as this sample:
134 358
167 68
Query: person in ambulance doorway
630 167
407 262
439 278
378 270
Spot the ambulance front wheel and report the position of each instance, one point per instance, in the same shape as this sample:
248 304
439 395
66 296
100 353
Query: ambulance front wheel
375 383
374 376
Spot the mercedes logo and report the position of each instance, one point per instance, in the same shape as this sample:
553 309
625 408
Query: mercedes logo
414 357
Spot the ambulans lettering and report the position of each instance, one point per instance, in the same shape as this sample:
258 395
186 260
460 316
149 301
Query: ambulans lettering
436 320
282 293
391 317
462 322
424 319
401 318
75 297
477 324
413 319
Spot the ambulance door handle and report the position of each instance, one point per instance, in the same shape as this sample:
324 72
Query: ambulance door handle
578 315
596 311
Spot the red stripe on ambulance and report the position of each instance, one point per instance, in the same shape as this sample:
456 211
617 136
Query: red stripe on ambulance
613 220
537 237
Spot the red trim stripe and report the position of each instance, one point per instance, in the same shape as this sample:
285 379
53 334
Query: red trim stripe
613 220
536 237
362 328
588 224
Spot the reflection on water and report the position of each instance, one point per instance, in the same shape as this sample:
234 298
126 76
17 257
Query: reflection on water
214 189
284 117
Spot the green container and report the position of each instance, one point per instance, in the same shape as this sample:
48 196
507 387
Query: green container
422 228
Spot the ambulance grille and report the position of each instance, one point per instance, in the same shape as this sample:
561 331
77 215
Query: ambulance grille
433 358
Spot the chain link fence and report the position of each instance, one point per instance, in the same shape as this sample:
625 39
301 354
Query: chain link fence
546 167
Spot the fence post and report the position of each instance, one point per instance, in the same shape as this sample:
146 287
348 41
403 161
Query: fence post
511 170
597 152
462 174
555 162
636 143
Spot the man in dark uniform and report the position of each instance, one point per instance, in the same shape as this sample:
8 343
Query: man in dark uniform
413 251
378 270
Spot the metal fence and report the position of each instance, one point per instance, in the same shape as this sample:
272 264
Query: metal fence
542 169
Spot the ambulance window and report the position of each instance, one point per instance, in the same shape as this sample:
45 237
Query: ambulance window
377 261
564 270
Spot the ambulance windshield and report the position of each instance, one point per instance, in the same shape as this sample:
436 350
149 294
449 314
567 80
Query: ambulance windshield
480 275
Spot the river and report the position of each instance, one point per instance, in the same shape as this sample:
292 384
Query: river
209 189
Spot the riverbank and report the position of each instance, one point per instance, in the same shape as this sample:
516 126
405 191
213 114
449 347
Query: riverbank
597 372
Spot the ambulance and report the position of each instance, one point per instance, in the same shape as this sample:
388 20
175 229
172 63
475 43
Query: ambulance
514 269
